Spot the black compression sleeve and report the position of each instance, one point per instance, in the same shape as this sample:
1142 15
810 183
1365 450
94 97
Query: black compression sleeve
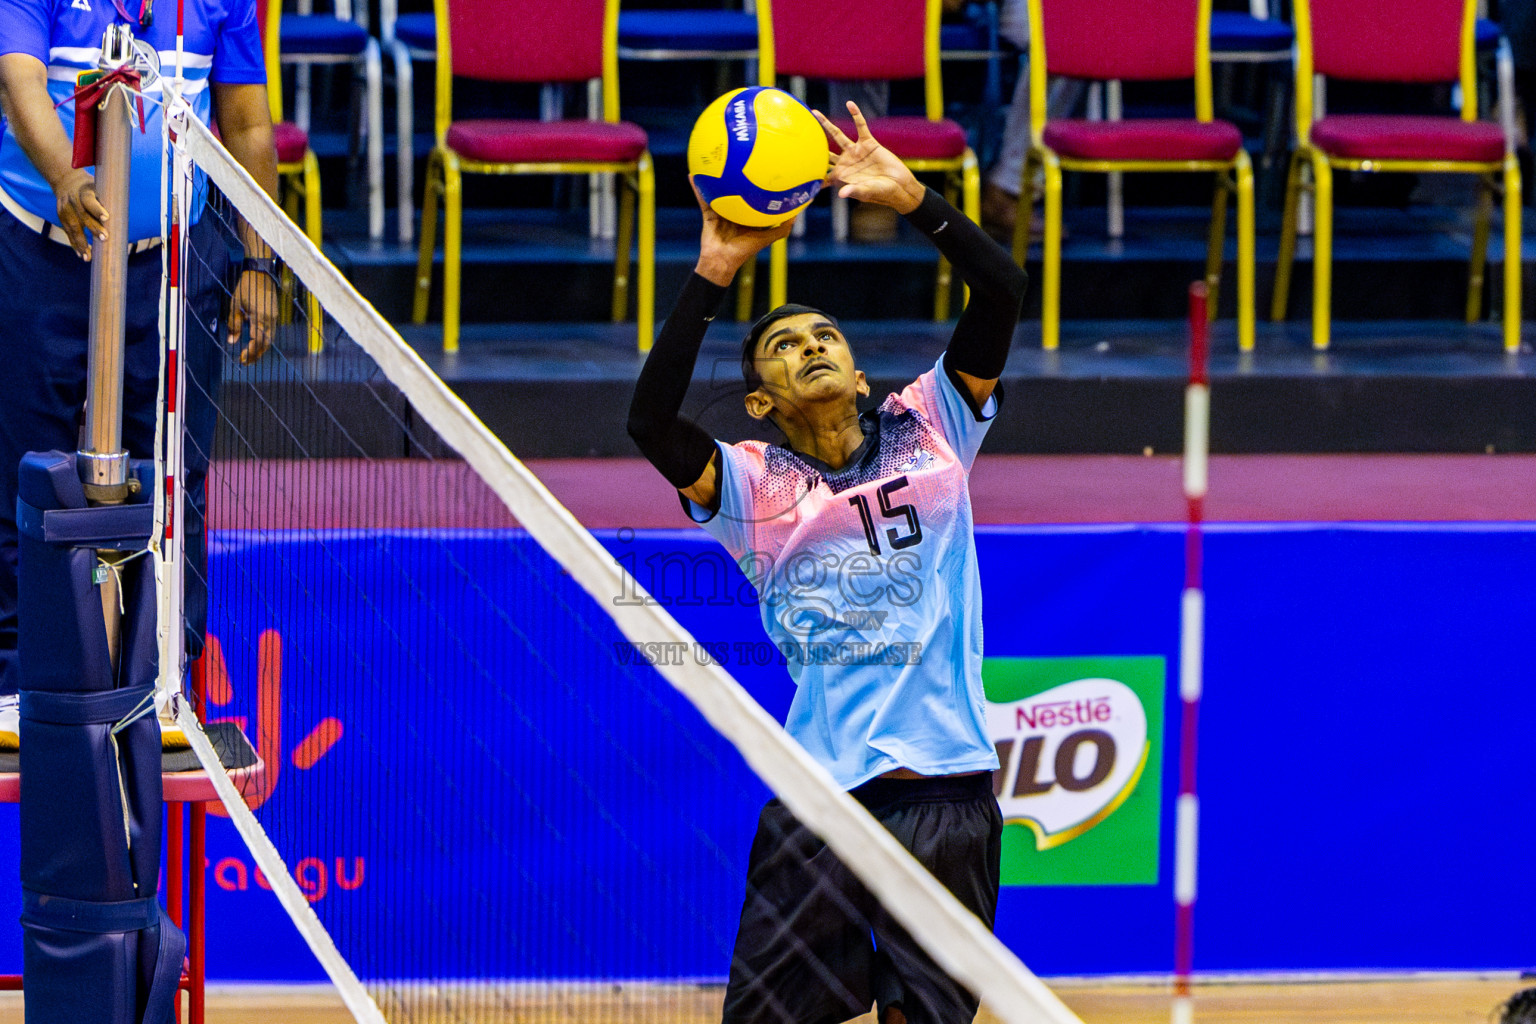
677 446
984 333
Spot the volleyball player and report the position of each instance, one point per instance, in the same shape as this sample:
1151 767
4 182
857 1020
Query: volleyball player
856 531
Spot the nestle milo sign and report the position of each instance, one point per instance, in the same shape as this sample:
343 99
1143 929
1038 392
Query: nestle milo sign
1080 741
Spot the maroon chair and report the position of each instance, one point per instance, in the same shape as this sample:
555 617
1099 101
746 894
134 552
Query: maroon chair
849 40
571 41
1138 40
1397 41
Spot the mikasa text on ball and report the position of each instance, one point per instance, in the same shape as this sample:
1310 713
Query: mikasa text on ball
757 155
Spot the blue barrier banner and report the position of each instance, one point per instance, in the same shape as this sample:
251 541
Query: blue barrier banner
1365 765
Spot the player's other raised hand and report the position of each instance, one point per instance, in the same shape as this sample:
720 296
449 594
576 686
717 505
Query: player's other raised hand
867 171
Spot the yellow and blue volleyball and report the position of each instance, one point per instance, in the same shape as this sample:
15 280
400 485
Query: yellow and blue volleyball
758 156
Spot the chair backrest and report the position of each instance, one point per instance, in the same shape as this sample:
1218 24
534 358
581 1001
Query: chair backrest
1120 39
269 15
527 41
1385 41
845 40
1388 40
1135 40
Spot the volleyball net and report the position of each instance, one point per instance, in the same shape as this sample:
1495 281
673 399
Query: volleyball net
471 783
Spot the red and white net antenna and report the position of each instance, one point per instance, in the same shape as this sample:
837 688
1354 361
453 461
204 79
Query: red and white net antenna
1197 423
181 10
172 497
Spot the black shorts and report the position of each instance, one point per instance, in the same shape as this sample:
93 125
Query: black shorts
814 946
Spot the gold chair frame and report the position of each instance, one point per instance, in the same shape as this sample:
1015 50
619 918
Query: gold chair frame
1232 176
1309 159
962 175
446 168
300 181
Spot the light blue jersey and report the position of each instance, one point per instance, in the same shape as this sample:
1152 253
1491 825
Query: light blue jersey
221 44
867 581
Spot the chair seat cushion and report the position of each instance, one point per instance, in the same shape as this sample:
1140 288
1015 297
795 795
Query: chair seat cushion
688 30
418 31
524 142
321 34
1408 137
1235 32
291 142
1486 35
912 138
1156 138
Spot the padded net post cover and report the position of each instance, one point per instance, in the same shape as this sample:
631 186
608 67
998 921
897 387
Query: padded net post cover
95 944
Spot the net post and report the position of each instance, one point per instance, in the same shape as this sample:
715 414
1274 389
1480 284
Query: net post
94 935
1197 411
103 462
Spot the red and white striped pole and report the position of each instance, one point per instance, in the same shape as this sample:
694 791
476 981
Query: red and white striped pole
171 500
1197 422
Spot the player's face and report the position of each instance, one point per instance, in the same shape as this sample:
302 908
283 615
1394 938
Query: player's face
804 360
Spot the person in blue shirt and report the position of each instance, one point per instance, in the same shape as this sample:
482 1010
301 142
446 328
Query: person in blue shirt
857 534
49 210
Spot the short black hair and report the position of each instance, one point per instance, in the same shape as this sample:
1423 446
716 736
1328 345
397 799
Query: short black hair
749 343
1520 1008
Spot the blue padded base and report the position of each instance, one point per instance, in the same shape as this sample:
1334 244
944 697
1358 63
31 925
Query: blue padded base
95 944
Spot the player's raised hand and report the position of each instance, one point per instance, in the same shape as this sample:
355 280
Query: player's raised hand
867 171
725 246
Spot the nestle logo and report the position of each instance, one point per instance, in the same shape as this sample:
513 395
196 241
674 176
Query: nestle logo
1061 713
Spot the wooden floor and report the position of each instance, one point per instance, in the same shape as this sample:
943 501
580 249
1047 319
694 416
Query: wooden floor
1385 1001
1370 1002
